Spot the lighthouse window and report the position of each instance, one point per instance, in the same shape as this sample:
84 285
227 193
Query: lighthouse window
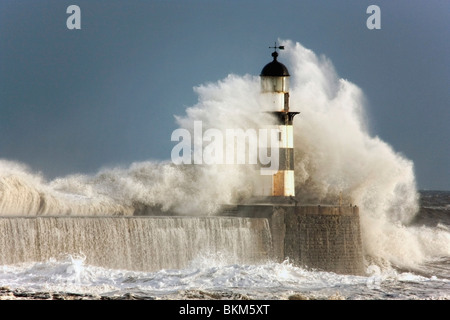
274 84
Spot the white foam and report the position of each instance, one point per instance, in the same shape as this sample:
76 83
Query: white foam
268 280
335 156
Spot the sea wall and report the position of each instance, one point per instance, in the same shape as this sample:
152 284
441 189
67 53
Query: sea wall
319 237
326 238
134 243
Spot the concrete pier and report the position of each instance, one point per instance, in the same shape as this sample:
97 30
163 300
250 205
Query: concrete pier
319 237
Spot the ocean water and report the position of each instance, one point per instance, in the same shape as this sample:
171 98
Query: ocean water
212 276
278 281
405 233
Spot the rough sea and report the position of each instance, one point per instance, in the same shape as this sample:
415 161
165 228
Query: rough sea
210 277
406 240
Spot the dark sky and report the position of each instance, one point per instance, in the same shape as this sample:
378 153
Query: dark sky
73 101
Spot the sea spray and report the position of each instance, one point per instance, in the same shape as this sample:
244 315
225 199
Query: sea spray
23 193
336 159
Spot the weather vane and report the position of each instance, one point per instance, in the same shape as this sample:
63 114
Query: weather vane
277 47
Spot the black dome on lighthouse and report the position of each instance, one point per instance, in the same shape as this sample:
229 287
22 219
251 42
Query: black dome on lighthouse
274 68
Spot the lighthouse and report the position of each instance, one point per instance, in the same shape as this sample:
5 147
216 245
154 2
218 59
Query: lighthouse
275 96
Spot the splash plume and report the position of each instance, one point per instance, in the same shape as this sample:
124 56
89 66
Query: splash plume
335 157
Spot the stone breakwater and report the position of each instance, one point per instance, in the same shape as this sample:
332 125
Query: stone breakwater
134 243
318 237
